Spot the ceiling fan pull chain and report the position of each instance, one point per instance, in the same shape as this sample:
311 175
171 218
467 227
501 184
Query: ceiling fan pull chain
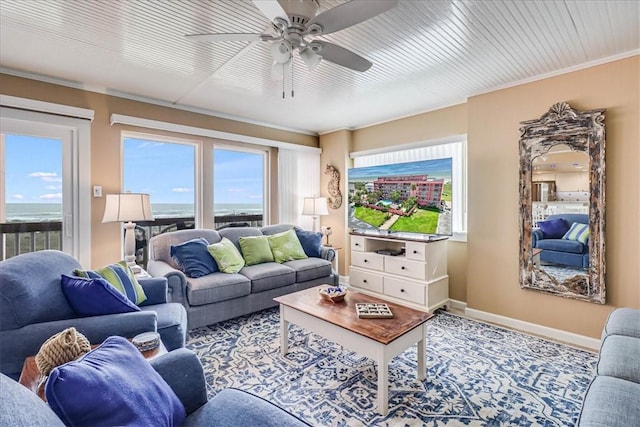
291 61
283 77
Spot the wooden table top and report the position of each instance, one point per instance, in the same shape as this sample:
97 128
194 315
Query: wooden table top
31 378
344 314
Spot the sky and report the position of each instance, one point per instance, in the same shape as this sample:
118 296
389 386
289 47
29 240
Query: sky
33 169
164 170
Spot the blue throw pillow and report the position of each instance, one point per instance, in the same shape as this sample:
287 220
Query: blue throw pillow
578 232
95 297
553 228
112 385
194 258
310 242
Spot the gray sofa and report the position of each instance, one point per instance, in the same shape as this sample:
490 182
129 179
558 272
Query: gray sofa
613 397
33 307
221 296
182 370
562 251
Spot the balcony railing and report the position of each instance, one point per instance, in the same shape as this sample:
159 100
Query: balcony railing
23 237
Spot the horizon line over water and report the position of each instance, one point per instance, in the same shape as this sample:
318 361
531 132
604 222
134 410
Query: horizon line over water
37 212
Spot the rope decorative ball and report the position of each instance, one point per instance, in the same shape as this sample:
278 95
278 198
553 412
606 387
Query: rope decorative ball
61 348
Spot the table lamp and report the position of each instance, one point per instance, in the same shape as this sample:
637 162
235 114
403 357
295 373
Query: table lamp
128 207
315 206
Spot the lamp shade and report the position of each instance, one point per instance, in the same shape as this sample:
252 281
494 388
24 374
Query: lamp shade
126 207
315 206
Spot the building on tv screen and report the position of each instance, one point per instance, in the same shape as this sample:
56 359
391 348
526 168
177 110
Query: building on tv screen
413 197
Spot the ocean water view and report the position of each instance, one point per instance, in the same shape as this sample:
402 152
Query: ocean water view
40 212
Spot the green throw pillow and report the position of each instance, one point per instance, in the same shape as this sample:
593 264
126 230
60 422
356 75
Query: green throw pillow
121 277
227 256
255 249
286 246
579 232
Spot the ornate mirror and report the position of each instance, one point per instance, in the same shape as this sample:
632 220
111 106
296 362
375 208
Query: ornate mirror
562 189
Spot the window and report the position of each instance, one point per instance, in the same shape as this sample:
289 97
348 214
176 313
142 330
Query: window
238 186
165 169
454 148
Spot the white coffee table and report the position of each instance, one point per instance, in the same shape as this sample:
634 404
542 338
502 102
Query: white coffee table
378 339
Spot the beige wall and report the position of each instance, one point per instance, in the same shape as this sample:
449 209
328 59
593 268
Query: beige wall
484 271
106 147
335 152
492 279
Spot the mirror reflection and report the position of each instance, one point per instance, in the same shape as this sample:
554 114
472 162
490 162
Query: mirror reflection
560 198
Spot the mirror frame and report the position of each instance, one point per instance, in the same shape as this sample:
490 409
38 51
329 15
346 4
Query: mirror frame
580 131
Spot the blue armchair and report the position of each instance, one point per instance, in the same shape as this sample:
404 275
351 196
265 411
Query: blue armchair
33 308
182 370
562 251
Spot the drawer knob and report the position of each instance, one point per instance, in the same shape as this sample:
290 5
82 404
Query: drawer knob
357 244
415 252
403 268
366 260
402 290
364 281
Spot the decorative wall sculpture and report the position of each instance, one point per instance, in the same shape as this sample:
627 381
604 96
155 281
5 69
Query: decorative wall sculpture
563 130
335 196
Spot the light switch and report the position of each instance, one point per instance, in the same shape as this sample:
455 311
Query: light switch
97 191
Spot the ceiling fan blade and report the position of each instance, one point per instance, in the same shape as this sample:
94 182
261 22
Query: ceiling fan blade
271 9
341 56
350 13
226 37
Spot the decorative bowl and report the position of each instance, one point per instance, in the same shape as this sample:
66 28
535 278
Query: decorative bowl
146 341
333 293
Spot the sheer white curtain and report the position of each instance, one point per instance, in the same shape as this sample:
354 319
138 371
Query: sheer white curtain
458 153
298 177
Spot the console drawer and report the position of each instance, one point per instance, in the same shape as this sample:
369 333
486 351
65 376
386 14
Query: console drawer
365 280
416 251
404 267
408 291
368 260
357 243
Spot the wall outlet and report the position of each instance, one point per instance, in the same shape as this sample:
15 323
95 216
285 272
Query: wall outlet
97 191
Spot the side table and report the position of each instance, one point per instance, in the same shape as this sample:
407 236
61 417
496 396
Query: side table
31 378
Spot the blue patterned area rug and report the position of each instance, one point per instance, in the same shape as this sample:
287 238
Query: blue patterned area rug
477 375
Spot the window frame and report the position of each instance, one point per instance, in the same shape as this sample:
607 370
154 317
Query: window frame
199 210
459 164
76 168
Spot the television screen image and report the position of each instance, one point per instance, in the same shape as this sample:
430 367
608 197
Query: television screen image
412 197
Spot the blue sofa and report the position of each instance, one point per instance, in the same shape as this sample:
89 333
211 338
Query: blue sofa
613 397
562 251
33 308
221 296
182 370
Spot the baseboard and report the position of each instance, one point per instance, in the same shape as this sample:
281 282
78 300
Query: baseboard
454 304
543 331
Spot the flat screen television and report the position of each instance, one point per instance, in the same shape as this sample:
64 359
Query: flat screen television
412 197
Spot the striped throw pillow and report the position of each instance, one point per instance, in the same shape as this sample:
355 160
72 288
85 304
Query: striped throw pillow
121 277
578 232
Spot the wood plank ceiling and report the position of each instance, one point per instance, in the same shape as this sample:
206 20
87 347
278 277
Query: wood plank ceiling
426 54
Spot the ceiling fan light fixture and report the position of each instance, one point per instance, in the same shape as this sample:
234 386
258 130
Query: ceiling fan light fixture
302 8
310 59
281 51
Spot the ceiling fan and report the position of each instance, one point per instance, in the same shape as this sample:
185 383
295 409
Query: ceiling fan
295 24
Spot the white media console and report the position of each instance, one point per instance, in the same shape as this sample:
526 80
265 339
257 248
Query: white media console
401 267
